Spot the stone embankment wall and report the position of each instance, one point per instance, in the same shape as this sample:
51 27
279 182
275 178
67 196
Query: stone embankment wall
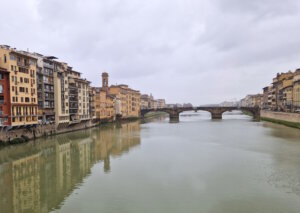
40 131
46 130
289 119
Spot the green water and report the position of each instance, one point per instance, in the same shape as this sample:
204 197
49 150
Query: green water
197 165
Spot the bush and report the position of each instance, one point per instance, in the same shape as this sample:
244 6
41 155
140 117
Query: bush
17 141
25 138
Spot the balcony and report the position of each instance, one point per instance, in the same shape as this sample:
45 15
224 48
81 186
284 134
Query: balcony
296 78
50 66
49 98
49 82
48 90
20 64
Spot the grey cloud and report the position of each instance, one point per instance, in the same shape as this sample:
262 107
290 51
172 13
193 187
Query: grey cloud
185 50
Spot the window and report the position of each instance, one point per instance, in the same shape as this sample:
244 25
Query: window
1 76
12 57
1 88
12 68
13 88
5 58
22 99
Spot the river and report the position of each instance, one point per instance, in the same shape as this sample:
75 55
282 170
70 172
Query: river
232 165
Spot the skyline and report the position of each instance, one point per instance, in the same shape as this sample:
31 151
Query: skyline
184 51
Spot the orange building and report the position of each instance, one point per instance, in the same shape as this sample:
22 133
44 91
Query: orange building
20 67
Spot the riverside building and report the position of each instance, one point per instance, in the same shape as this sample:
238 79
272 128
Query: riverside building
284 93
18 100
45 87
124 100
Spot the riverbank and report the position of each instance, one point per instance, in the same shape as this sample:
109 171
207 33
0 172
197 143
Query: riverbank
23 135
283 118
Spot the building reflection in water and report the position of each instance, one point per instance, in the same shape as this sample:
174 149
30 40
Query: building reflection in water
37 177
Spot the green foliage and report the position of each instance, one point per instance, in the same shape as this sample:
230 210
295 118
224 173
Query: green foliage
26 139
286 123
17 141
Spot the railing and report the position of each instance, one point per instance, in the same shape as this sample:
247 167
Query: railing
48 65
20 64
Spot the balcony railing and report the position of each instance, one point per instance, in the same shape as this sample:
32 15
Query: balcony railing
49 65
20 64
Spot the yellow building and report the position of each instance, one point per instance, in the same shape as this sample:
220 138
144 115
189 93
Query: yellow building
23 88
145 101
280 83
115 100
129 99
102 105
287 94
296 91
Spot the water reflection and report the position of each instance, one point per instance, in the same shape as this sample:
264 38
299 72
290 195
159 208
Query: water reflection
281 131
37 177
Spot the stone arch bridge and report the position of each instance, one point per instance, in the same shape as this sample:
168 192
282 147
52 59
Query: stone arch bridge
216 111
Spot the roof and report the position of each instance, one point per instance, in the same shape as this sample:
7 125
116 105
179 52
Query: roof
23 53
50 57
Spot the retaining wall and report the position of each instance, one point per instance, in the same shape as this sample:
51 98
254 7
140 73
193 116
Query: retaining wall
285 117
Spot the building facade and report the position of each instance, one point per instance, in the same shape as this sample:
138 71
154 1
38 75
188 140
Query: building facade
61 94
284 93
21 71
252 101
45 87
5 104
145 101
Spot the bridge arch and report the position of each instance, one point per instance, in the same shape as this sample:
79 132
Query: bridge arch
173 112
216 112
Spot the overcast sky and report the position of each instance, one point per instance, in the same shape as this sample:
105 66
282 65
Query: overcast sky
198 51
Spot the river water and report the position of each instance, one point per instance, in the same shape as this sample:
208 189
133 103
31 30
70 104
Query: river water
197 165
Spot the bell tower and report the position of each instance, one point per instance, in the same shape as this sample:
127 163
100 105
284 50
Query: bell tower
105 80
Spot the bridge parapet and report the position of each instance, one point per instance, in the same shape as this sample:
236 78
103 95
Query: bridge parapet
216 111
